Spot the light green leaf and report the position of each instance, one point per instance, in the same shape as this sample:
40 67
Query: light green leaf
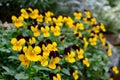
21 75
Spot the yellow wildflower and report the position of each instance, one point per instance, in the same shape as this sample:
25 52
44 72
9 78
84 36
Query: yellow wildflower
32 53
86 62
77 15
55 30
70 57
45 31
46 50
35 31
115 70
33 13
17 45
80 53
58 77
43 60
53 62
40 18
75 74
24 60
24 14
18 22
32 40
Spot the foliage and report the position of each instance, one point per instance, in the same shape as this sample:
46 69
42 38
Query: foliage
45 46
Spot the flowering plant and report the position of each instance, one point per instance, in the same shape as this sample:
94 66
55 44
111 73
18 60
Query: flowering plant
60 47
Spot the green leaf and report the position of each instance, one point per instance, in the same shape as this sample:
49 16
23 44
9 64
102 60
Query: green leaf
66 71
21 75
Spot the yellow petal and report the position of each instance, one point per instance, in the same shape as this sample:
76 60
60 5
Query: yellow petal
14 18
22 41
37 49
13 40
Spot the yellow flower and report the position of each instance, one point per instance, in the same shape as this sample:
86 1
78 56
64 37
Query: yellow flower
46 50
35 31
75 74
80 53
88 14
102 27
77 15
69 22
33 13
40 18
24 14
55 30
17 45
85 43
93 41
115 70
109 51
32 40
18 22
52 47
96 29
70 57
80 26
45 31
111 79
58 21
24 60
43 60
49 14
86 62
53 62
32 53
58 77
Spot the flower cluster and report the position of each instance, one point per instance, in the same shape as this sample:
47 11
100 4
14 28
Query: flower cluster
58 42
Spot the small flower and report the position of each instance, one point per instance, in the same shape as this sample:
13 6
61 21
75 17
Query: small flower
77 15
32 40
24 14
86 62
32 53
75 74
33 13
55 30
70 57
53 62
35 31
80 53
24 60
57 77
46 50
115 70
45 31
18 22
43 60
17 45
40 18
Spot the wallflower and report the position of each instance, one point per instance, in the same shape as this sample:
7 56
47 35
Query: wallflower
35 31
53 62
32 53
86 62
70 57
45 31
55 30
115 70
18 22
57 77
17 45
75 74
24 60
24 14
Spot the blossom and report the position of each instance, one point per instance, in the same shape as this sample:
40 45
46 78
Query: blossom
32 40
75 74
55 30
40 18
46 50
24 60
77 15
24 14
80 53
33 13
17 44
32 53
43 60
86 62
35 31
57 77
45 31
18 22
53 62
70 57
115 69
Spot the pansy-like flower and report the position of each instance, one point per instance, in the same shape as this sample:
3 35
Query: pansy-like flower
55 30
53 62
102 27
32 53
109 51
86 62
53 46
33 13
45 31
85 43
80 53
57 77
46 50
17 44
44 60
32 40
24 60
77 15
75 75
35 31
18 22
70 57
80 26
58 21
24 14
115 69
88 14
93 41
40 18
